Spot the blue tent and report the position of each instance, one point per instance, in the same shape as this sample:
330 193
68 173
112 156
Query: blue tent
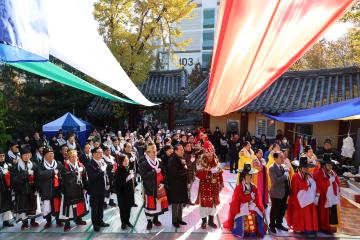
68 123
333 111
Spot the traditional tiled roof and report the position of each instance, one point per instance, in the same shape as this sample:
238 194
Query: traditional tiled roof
295 90
161 86
100 108
166 86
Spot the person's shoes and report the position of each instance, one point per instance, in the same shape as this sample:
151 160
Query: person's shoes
182 222
80 222
103 224
149 225
176 225
134 205
105 205
156 222
24 226
282 228
112 203
7 224
96 228
67 227
272 230
211 222
129 225
123 226
33 223
59 223
47 225
203 224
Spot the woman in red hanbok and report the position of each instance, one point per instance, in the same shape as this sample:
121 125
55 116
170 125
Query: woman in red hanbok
246 214
328 188
302 214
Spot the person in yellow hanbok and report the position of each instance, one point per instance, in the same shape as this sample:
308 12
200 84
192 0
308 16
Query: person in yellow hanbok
246 156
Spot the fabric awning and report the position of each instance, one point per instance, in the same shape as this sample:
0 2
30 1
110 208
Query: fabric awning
337 111
31 30
53 72
256 41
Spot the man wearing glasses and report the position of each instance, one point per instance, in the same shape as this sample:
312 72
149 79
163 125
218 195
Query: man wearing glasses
96 170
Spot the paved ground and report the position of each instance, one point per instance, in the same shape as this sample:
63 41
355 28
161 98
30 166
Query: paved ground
350 228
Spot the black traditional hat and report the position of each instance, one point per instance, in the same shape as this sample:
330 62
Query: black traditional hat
303 163
47 149
327 159
248 169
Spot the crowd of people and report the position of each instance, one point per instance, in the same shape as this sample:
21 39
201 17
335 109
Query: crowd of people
59 179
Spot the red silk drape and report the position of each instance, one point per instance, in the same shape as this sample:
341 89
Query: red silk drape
258 40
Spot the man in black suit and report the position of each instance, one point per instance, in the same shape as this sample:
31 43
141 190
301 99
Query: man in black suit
279 192
96 172
86 156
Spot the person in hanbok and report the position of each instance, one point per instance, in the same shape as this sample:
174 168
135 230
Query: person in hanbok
287 163
312 159
302 213
211 182
49 185
152 172
246 213
328 188
260 179
110 170
74 203
275 149
23 182
5 191
246 155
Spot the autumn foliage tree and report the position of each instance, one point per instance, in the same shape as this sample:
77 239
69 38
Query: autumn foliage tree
135 29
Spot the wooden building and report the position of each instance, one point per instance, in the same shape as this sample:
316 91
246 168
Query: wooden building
294 90
164 87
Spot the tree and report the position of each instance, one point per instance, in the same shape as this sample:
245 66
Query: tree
135 29
197 76
33 101
353 16
343 52
4 137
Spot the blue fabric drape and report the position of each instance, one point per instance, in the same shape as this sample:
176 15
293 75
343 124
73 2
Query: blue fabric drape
325 113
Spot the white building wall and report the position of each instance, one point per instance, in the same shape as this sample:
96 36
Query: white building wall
198 50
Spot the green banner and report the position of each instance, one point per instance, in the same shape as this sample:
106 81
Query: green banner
53 72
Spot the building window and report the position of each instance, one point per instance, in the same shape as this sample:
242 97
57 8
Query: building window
209 18
265 126
208 40
304 129
206 57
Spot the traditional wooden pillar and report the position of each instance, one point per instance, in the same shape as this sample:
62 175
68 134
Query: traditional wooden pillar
244 123
205 120
171 116
133 115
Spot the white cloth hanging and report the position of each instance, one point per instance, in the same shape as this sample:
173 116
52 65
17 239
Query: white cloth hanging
348 148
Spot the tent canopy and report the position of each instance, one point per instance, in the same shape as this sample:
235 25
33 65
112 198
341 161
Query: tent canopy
67 123
337 111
